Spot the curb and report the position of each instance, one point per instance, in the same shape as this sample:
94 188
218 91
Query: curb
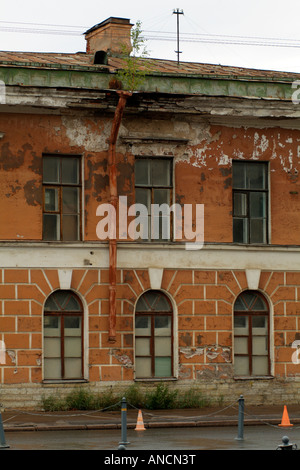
162 424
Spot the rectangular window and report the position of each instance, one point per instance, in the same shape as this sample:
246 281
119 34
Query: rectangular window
61 198
251 345
250 202
153 346
153 186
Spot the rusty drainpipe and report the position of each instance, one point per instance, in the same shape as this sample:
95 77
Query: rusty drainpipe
123 96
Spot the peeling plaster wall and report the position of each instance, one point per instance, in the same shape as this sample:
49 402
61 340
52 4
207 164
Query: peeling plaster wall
25 141
202 170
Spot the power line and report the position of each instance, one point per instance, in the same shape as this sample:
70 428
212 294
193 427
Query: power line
224 41
157 35
45 24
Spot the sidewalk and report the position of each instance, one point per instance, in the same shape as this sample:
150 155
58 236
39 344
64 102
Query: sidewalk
19 420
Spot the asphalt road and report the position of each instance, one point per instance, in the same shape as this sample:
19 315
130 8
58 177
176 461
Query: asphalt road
263 437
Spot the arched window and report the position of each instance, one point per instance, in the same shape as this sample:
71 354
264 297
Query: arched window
63 336
153 336
251 335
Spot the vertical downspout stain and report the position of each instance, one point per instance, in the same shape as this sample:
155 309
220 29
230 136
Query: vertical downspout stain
123 96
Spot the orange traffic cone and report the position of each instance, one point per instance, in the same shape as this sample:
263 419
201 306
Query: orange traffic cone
285 422
140 424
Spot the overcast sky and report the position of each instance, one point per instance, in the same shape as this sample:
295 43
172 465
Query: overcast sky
210 30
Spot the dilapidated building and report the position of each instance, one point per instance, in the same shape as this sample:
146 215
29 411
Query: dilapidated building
81 307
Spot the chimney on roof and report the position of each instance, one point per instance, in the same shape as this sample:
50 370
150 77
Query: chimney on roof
108 37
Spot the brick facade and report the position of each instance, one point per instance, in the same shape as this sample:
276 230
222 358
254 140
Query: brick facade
201 122
203 312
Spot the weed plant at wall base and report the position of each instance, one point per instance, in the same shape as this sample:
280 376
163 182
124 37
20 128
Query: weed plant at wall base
160 397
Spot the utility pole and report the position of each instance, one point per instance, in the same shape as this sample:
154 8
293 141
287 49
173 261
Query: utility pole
178 12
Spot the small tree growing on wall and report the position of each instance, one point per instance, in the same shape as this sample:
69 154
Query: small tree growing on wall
133 74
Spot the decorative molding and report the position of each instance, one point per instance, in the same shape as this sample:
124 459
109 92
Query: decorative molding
253 276
65 276
155 275
148 140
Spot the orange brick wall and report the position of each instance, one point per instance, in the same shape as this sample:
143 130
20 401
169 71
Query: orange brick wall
202 175
202 299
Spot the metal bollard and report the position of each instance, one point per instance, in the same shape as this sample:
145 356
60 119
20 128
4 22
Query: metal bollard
286 444
124 422
240 436
121 447
3 444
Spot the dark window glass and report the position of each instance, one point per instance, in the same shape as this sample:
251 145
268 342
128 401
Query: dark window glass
250 202
62 198
153 185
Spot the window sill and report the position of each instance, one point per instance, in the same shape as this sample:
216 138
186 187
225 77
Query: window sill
156 379
64 381
253 377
